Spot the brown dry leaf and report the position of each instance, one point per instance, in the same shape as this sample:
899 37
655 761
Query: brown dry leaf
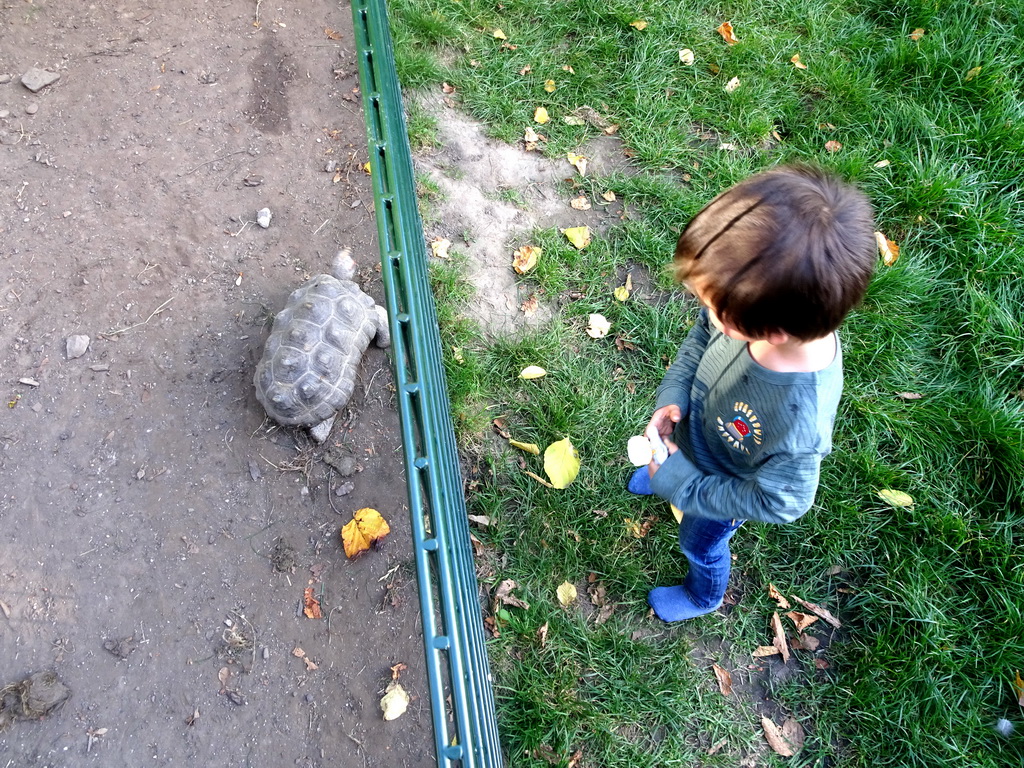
796 61
223 676
779 641
296 651
821 664
717 746
529 307
580 203
530 136
801 620
764 650
331 34
598 595
482 520
608 197
817 610
366 527
567 68
311 666
775 595
542 634
547 754
526 70
311 606
575 759
887 248
833 146
786 741
447 88
5 608
1018 688
805 643
725 30
639 24
397 670
505 597
724 679
526 258
917 34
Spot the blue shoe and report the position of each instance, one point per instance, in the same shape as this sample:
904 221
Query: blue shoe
640 483
675 604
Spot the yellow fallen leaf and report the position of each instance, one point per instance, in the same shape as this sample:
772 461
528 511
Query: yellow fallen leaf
638 24
532 372
598 326
732 85
677 513
566 594
887 248
561 463
882 164
499 34
917 34
540 115
366 169
549 86
608 196
528 447
439 247
797 63
623 291
580 203
578 236
525 259
366 527
972 73
457 355
538 478
530 306
580 161
686 57
569 69
395 701
311 606
725 30
896 498
765 650
1018 689
573 120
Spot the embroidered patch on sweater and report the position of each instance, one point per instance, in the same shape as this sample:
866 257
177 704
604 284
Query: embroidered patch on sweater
740 428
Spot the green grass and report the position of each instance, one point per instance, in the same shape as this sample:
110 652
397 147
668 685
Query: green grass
931 596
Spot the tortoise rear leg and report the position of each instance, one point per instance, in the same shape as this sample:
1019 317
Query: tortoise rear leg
383 338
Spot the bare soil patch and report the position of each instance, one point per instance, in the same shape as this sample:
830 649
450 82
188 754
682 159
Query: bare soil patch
156 533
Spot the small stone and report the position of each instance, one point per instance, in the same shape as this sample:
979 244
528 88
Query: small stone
309 698
5 79
37 407
266 653
31 109
331 166
28 382
252 181
344 489
76 346
4 114
99 367
36 79
263 217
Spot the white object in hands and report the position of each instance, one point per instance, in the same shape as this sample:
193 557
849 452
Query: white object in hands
641 449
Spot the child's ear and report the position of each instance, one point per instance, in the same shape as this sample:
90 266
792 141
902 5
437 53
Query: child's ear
775 338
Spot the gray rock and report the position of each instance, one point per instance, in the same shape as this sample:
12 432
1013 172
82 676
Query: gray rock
76 346
31 109
36 79
263 217
5 79
4 114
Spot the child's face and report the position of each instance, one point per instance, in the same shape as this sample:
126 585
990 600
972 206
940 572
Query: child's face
722 325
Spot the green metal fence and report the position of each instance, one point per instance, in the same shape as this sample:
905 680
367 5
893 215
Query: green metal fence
461 693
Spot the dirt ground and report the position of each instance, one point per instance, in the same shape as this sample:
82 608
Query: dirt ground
156 532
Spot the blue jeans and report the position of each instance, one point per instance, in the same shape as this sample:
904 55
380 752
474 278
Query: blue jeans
706 545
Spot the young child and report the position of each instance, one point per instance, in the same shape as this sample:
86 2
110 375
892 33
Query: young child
748 406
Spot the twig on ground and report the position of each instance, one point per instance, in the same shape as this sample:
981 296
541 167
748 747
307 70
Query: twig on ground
152 314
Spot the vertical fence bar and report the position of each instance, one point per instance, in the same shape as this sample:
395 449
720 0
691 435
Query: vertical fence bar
461 692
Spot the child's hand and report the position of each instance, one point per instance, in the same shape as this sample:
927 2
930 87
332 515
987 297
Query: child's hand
665 419
655 465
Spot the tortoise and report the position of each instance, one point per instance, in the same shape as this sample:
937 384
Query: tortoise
309 364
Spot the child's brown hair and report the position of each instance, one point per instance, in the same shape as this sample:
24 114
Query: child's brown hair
791 249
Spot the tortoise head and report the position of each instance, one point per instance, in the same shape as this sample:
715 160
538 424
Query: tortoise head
343 267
